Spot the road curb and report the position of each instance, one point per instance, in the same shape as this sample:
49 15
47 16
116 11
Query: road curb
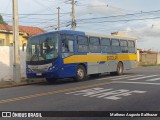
7 84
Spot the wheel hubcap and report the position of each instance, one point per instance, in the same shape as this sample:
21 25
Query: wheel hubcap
80 73
120 69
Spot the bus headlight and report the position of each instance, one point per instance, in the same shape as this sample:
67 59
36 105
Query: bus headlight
29 70
51 68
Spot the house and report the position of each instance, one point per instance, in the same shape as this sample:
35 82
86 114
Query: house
6 34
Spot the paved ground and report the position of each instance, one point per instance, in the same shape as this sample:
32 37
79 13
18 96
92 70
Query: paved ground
136 90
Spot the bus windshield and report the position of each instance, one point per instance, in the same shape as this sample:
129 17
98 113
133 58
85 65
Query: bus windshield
42 48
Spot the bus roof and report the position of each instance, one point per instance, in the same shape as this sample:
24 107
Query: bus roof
62 31
110 36
88 34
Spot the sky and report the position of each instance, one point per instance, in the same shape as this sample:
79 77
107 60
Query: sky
137 18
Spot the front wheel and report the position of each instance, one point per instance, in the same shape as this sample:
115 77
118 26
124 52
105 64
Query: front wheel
80 73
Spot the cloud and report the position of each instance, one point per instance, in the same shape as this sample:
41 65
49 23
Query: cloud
147 31
99 8
102 8
148 35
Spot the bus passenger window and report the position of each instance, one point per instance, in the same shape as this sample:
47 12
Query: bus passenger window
67 45
105 45
115 46
123 44
82 44
94 45
131 47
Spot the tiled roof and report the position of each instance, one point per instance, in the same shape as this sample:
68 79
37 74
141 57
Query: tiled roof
31 30
5 27
26 29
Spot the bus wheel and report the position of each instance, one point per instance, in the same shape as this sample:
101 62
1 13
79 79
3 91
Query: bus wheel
119 69
80 73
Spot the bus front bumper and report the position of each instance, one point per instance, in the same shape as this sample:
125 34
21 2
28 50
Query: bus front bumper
41 75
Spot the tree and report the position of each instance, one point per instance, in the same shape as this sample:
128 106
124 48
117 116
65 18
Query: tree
2 21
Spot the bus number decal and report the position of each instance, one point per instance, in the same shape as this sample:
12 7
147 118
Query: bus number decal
112 57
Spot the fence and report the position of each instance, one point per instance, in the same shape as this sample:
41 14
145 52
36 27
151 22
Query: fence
150 58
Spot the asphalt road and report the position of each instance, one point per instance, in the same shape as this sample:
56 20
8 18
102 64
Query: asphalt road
136 90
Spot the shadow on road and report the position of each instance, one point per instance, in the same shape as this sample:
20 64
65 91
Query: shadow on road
71 81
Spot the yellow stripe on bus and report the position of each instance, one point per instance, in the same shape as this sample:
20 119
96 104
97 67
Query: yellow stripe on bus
98 58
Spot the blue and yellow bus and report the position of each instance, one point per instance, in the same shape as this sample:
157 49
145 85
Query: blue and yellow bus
76 54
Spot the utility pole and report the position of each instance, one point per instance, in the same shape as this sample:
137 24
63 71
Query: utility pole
73 16
58 18
16 51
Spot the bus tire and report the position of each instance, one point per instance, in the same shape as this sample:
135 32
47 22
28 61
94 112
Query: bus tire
120 69
80 73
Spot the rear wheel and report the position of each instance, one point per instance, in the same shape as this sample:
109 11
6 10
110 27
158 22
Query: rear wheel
119 69
80 73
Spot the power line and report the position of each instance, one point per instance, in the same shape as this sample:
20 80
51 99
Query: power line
41 21
41 10
128 20
130 14
39 3
34 14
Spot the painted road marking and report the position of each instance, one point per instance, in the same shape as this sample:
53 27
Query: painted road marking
143 83
127 77
106 93
143 77
111 77
53 92
89 91
154 79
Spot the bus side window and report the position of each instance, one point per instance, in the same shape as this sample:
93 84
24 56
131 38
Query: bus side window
124 46
115 46
70 39
105 45
131 46
82 42
94 45
67 45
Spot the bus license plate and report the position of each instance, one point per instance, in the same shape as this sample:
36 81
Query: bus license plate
39 74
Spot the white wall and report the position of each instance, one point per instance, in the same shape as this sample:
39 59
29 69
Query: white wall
6 63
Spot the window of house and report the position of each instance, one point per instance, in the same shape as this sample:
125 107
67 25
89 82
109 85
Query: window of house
82 44
1 42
